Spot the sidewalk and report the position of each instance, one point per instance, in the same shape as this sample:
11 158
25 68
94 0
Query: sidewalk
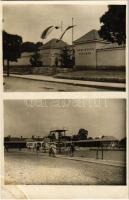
96 161
81 159
104 85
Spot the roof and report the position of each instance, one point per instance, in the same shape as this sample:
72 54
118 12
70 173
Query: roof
112 45
108 138
90 36
102 139
96 140
54 44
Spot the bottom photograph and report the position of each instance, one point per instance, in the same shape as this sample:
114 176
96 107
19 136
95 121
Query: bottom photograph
65 142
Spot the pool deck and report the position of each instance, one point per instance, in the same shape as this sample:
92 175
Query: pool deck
97 161
114 163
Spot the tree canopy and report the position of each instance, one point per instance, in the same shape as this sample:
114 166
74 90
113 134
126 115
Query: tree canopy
33 47
123 142
11 46
82 135
67 59
30 46
113 27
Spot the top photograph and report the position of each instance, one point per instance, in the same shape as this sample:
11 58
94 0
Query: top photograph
64 47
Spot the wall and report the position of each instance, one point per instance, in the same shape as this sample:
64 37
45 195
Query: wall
50 70
45 57
23 61
55 53
85 55
22 66
111 58
89 56
100 44
48 56
18 69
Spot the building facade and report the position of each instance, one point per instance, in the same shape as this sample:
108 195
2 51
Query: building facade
24 60
92 52
111 57
50 53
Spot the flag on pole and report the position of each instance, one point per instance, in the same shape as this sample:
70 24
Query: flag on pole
46 32
69 27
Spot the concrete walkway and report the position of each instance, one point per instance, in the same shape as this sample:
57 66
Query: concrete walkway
114 163
106 85
96 161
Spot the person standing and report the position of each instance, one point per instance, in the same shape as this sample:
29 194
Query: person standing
72 149
38 147
52 150
56 62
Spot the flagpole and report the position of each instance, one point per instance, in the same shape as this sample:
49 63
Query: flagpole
61 26
72 40
72 29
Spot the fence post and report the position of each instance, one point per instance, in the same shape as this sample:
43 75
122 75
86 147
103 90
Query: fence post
97 154
102 152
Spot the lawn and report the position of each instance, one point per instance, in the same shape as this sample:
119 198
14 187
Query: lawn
115 76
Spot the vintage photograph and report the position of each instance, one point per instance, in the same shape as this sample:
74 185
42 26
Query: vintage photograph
64 47
65 142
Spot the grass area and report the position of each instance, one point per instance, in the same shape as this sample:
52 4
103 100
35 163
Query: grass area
114 76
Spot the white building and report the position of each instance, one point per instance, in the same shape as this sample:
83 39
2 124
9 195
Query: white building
92 52
51 51
24 60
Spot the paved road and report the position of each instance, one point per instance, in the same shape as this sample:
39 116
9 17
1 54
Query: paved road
23 85
24 168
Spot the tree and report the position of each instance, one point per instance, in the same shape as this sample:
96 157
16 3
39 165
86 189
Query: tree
27 47
33 137
82 134
7 138
52 137
11 48
30 46
122 142
89 138
38 44
113 27
97 138
67 58
35 60
75 137
67 138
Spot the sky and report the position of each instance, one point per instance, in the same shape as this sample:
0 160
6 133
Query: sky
38 117
29 20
